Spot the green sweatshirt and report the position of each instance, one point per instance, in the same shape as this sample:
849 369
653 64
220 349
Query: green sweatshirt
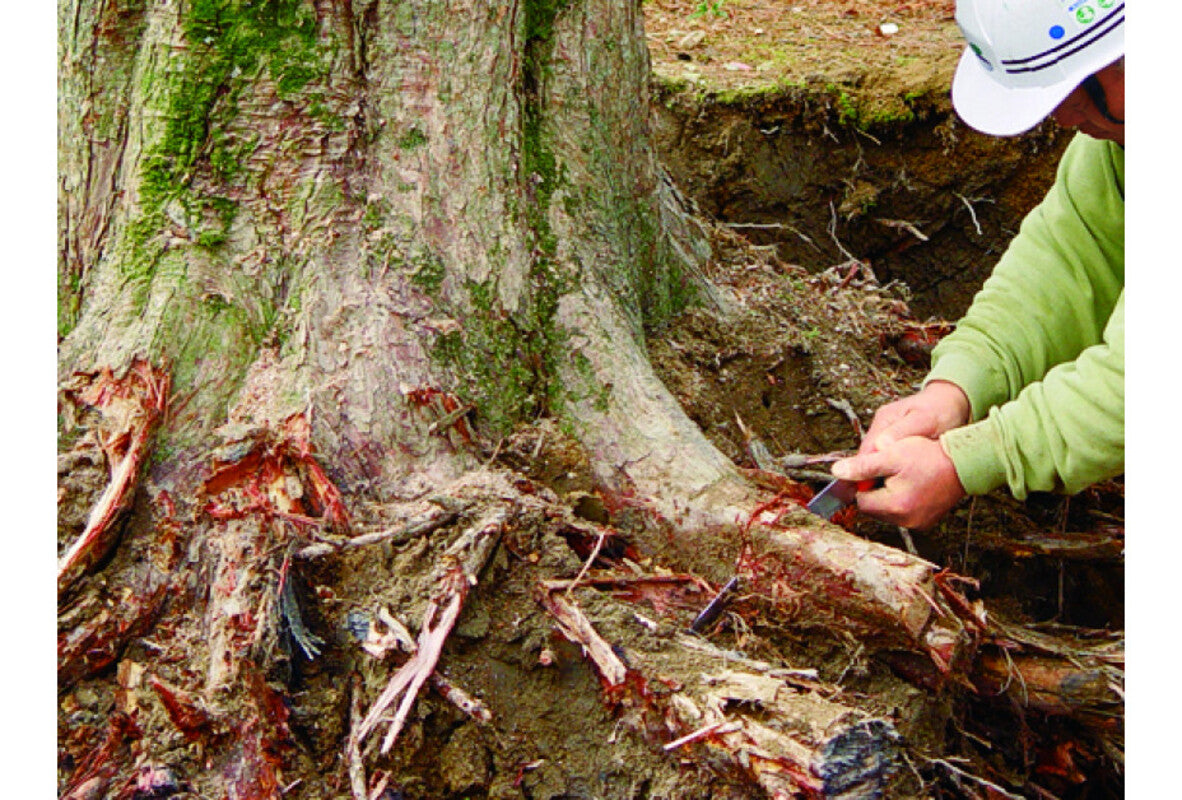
1040 352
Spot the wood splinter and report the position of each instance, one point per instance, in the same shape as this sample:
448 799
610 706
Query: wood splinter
575 626
467 557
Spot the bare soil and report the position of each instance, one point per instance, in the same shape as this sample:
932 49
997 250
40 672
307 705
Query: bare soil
850 210
804 126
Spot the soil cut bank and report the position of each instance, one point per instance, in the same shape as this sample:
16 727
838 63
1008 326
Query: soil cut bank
850 216
805 126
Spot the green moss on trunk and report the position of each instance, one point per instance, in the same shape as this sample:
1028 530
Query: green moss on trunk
228 43
507 364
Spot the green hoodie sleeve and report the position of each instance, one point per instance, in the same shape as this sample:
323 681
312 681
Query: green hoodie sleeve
1040 353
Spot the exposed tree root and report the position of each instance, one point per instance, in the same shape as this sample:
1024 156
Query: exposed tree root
130 406
705 705
463 561
1067 674
95 644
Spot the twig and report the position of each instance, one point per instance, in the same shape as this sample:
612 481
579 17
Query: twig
449 419
775 226
968 533
379 788
844 407
907 542
815 475
833 233
1011 671
466 557
797 460
396 637
905 225
854 659
496 452
701 733
602 535
578 629
987 784
410 678
923 785
703 646
972 211
357 782
867 135
538 445
425 523
465 702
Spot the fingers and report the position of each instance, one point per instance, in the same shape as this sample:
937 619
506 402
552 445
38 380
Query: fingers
903 446
921 483
938 407
862 467
907 417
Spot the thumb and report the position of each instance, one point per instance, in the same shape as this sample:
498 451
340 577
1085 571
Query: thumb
884 440
859 468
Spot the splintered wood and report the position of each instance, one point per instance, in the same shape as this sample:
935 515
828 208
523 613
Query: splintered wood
578 629
766 722
130 406
462 562
791 742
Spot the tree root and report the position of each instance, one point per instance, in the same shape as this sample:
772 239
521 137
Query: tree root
775 726
130 406
464 560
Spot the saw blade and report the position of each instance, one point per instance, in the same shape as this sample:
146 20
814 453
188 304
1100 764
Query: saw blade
833 498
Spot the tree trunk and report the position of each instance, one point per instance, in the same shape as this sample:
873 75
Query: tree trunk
365 241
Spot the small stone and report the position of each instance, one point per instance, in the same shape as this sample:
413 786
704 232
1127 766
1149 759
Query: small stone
692 40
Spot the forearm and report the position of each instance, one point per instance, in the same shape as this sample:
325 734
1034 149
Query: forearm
1062 433
1053 291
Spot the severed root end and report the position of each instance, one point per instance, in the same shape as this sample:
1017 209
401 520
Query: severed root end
859 761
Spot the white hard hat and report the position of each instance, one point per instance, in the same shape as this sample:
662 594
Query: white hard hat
1025 56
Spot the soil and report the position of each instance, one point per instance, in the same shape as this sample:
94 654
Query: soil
804 126
851 210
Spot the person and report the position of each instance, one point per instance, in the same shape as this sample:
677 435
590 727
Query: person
1028 391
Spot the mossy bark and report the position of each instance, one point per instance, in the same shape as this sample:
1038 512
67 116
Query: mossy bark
364 199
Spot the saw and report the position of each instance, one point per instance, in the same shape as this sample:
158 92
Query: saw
839 494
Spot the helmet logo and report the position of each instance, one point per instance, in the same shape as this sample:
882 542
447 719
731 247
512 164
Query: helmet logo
977 52
1106 3
1085 14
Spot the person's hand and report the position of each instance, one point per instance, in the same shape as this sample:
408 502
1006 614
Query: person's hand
921 483
940 406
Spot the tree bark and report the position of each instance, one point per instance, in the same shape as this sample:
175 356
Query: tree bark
365 240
